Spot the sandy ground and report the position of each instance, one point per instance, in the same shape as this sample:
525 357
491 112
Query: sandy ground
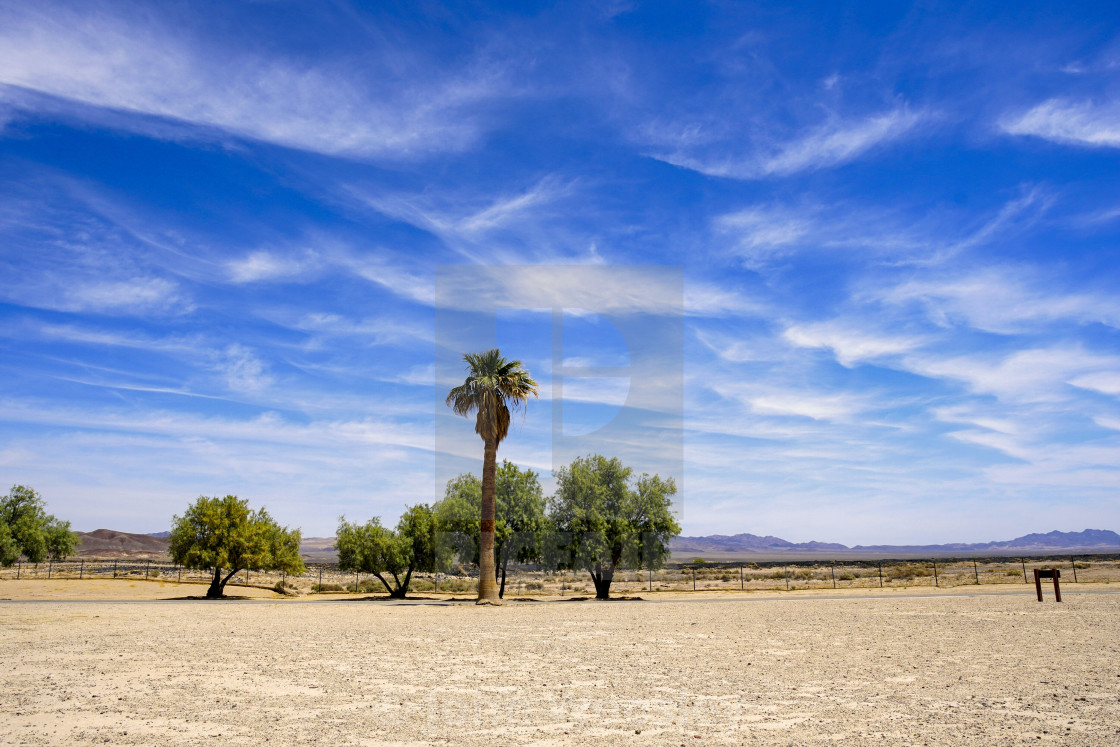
784 669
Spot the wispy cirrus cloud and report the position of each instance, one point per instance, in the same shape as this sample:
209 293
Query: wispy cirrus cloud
1001 299
1086 123
824 146
56 58
850 343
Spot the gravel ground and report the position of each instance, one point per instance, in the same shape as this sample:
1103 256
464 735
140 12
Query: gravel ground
932 669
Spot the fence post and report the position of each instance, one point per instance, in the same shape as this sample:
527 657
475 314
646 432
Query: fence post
787 577
562 583
694 579
82 569
50 564
283 579
180 575
355 582
320 579
834 574
741 587
651 578
880 574
935 572
1024 563
1074 564
147 567
976 571
19 567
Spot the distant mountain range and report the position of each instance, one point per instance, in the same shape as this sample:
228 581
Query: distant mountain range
108 543
1099 540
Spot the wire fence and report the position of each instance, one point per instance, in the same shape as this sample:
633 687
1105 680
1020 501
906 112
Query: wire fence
533 581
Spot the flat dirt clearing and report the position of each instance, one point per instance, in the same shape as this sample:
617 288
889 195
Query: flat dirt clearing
890 669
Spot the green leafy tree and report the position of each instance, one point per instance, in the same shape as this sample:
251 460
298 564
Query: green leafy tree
9 549
391 556
519 517
603 521
493 386
222 534
28 529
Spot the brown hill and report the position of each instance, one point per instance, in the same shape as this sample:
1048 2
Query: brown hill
109 543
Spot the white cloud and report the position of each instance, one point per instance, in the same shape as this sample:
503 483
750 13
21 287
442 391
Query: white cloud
1105 382
123 297
1031 375
840 142
828 145
263 265
243 370
1006 299
838 407
348 107
1063 121
850 345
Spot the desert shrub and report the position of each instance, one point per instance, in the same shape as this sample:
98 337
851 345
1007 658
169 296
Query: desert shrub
804 574
725 577
778 574
1079 565
907 571
456 585
534 585
847 576
326 587
1013 572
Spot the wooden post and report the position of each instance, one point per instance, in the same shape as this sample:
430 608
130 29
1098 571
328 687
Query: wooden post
694 579
180 575
1024 564
50 565
651 578
1073 562
1041 573
114 568
880 574
935 583
320 579
787 577
741 586
82 569
147 567
19 567
976 571
834 574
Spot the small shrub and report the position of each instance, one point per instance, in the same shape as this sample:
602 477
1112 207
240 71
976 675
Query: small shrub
1079 565
1013 572
326 587
725 577
778 574
804 574
907 571
534 585
847 576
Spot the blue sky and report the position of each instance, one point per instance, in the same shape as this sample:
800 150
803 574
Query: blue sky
221 227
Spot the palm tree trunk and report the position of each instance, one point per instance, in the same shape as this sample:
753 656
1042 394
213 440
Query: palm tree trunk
487 585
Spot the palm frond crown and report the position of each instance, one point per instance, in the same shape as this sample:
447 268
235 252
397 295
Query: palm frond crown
492 388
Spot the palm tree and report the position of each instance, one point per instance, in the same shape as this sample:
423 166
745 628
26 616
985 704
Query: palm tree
493 385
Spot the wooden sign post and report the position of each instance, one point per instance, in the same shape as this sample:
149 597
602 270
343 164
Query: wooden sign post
1041 573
